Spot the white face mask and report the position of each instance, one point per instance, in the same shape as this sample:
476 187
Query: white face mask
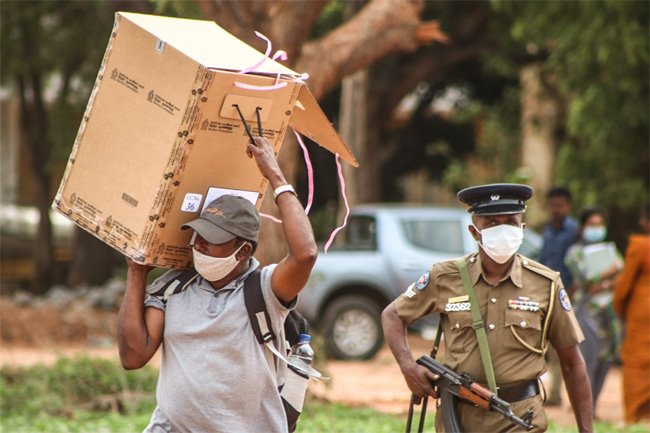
501 242
214 268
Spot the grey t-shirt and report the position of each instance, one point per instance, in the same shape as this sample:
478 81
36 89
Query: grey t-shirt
214 375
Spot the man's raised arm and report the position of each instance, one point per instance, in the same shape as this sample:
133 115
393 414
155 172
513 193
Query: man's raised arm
293 271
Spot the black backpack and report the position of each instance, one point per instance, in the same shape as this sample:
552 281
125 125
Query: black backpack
294 325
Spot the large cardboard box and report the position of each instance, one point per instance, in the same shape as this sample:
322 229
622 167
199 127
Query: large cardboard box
161 135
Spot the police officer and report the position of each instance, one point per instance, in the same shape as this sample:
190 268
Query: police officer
523 307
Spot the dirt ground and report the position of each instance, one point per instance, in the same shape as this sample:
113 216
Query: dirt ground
41 334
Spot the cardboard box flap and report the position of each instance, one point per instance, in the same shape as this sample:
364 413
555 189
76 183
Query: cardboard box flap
206 43
308 119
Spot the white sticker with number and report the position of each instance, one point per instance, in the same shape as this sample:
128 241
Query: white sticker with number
192 202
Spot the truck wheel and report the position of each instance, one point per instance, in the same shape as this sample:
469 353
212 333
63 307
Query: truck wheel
352 328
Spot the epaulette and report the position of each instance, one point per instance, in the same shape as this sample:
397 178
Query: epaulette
449 266
539 268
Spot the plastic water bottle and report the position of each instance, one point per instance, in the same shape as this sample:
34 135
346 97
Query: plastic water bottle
297 378
302 355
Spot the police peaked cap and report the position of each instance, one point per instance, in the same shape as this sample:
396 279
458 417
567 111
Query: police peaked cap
496 198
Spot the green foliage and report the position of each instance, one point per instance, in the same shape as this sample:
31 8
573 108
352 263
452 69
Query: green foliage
318 417
70 382
332 16
39 398
599 54
54 48
323 221
178 8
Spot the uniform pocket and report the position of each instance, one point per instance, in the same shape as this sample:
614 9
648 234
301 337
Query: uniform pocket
525 329
461 332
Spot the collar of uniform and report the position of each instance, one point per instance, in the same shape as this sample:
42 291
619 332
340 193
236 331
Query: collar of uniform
476 270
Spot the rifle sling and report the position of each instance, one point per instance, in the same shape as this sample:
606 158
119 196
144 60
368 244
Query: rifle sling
478 324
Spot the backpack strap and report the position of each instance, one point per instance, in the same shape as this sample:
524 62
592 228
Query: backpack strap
175 285
256 308
260 320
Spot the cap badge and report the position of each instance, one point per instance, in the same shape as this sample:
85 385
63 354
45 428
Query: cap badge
215 211
494 197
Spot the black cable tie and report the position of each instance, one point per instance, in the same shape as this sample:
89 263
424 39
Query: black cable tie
248 130
259 120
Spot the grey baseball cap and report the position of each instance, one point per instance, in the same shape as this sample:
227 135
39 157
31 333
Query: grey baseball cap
225 218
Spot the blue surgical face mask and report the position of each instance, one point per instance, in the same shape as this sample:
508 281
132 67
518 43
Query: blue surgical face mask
593 234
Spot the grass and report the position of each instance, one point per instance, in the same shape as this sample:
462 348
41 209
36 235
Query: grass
56 400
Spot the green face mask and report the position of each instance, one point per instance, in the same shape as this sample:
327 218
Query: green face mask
593 234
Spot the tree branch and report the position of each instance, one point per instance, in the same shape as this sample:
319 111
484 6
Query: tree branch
380 28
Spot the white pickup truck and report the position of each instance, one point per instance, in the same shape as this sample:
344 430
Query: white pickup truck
383 249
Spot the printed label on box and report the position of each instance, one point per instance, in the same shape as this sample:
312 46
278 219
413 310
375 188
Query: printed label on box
192 202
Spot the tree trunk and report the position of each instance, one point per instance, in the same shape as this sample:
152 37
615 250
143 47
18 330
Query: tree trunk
353 130
540 111
33 119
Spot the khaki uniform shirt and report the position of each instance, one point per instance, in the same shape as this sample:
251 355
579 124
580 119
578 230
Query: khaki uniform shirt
519 302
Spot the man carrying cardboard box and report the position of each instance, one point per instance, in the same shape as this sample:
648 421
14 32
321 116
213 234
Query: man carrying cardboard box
214 375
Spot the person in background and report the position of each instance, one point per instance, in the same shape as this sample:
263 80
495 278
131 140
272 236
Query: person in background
559 234
593 299
632 304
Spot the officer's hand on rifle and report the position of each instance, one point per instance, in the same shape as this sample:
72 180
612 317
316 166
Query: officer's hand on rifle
420 381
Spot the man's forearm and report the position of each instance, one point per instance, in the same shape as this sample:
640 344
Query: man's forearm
395 335
131 327
580 401
578 388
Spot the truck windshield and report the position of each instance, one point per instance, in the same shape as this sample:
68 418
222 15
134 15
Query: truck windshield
441 236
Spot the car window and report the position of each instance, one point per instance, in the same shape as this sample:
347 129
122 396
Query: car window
444 236
360 234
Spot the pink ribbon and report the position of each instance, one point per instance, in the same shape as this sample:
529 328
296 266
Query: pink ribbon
266 55
280 54
345 200
310 172
270 217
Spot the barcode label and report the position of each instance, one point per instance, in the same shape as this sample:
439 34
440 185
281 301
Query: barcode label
130 200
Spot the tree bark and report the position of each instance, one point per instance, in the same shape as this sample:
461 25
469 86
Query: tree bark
353 129
540 119
379 29
33 119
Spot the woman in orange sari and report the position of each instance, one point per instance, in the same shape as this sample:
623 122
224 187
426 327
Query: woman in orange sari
632 304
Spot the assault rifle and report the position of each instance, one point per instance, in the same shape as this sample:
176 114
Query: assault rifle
452 385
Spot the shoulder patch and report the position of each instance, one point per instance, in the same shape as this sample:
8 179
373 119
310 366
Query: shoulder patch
565 302
422 282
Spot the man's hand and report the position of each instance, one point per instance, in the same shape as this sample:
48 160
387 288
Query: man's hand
419 380
266 161
137 268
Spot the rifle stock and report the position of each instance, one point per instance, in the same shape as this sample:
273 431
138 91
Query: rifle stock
463 386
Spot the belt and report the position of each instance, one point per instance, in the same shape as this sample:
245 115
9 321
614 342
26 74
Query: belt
519 392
